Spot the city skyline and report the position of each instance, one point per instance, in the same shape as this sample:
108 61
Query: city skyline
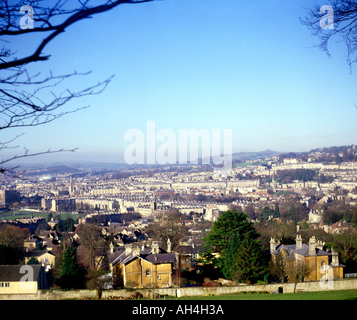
247 67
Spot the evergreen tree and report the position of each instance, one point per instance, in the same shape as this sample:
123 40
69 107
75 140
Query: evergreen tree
69 225
276 211
232 246
32 260
70 269
218 239
229 263
248 261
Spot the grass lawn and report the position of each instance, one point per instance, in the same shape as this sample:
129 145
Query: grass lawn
318 295
27 214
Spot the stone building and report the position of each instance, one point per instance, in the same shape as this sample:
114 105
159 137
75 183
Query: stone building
319 263
141 266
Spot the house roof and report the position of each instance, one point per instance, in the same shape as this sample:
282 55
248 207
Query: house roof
160 258
38 253
304 251
188 249
119 256
13 273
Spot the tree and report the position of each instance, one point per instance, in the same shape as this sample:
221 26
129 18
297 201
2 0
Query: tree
338 20
229 268
11 244
32 260
216 243
65 226
30 99
244 261
70 269
346 245
92 245
354 219
297 271
276 211
266 213
167 226
276 267
249 262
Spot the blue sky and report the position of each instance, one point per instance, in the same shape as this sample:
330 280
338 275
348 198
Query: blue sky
248 66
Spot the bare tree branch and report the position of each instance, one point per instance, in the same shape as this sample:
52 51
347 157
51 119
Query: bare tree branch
26 99
344 27
77 15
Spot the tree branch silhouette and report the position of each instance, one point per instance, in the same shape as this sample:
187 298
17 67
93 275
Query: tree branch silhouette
344 27
28 100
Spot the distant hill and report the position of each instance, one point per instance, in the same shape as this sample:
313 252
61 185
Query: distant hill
53 170
243 156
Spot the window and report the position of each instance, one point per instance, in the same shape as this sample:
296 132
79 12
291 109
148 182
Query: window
5 284
323 266
148 273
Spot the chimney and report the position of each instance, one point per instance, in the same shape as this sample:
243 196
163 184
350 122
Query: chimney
136 251
334 261
298 241
312 246
168 245
320 245
273 245
111 246
128 249
155 247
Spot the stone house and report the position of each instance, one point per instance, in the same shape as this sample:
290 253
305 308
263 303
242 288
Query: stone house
44 257
141 266
320 264
22 279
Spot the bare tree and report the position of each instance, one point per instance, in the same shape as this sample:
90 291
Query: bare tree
277 266
168 226
297 271
93 247
337 21
31 99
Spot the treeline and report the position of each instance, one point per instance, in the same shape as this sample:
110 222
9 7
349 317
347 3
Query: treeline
288 176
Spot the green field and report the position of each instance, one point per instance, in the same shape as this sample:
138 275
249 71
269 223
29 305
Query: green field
10 215
246 164
318 295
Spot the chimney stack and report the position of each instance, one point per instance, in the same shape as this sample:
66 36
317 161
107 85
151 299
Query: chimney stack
298 242
155 247
168 245
273 245
111 246
312 246
334 261
128 249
